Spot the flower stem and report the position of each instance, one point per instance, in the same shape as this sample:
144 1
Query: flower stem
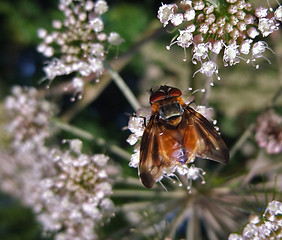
123 87
88 136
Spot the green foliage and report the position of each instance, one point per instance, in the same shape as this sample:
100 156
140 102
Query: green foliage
129 20
21 19
17 222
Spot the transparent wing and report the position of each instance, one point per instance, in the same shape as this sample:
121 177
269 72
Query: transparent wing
159 151
201 137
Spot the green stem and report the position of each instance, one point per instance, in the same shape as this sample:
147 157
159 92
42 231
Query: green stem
123 87
242 139
88 136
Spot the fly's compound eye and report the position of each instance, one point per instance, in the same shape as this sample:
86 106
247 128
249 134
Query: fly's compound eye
174 92
164 92
157 96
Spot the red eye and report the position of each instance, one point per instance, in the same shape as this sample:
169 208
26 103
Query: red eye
157 96
174 92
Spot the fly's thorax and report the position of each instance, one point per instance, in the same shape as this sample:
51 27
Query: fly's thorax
170 110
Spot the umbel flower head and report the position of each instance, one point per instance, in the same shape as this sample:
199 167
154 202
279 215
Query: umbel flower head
78 43
230 26
30 116
67 190
269 132
267 227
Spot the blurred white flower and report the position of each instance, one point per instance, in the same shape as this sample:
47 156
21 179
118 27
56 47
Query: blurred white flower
77 40
68 190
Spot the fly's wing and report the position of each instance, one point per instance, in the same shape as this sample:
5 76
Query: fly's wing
200 133
160 145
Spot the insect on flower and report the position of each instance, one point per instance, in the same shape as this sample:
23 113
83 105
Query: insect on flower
174 136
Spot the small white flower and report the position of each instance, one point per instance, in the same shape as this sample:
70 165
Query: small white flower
249 19
115 39
185 38
261 12
249 231
166 13
208 68
91 210
274 208
54 68
84 69
194 173
189 14
278 13
252 32
258 48
48 39
96 66
78 84
245 46
75 145
177 19
101 36
232 9
204 27
136 125
201 51
267 26
241 26
41 47
48 51
209 9
82 16
254 219
198 5
89 5
186 2
134 160
97 49
217 46
101 7
210 19
235 236
97 24
191 28
65 2
41 33
100 159
57 24
230 54
132 139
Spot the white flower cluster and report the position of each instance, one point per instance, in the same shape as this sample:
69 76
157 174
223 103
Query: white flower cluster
270 227
269 132
68 191
30 117
76 198
78 42
211 27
